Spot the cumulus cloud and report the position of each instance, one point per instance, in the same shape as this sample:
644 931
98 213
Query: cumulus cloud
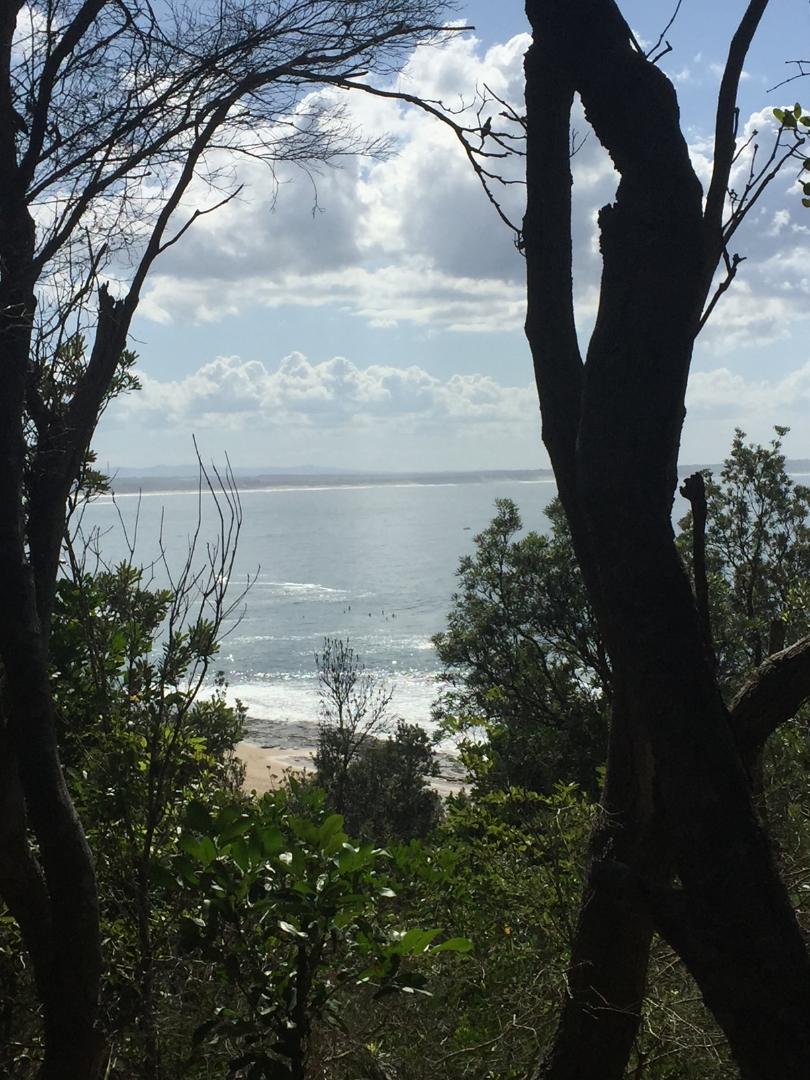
411 239
408 226
229 392
725 392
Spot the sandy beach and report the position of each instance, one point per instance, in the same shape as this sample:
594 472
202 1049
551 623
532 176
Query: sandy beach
265 766
291 746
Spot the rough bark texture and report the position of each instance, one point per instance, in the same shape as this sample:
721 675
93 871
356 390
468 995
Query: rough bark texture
612 427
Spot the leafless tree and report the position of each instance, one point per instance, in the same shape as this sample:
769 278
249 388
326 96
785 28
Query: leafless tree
354 708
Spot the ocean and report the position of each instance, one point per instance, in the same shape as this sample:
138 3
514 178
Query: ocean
371 561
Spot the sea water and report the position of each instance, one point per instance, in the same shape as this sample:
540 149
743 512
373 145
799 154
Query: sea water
374 563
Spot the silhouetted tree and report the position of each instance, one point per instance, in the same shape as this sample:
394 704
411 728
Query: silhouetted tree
677 799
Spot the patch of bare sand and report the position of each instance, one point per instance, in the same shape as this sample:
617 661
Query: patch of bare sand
265 767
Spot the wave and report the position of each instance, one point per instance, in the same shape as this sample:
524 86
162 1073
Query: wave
297 587
293 698
254 486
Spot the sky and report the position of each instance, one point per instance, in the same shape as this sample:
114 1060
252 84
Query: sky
383 330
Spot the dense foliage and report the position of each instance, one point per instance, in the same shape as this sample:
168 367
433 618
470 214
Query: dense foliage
373 767
352 927
527 683
757 554
524 663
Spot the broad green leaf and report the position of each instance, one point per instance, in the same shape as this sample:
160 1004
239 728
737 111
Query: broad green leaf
330 828
455 944
414 942
201 849
272 840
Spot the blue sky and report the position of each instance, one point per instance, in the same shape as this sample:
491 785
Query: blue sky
385 331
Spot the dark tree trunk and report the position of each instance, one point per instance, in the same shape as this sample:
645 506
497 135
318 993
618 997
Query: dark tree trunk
608 969
72 963
59 917
612 427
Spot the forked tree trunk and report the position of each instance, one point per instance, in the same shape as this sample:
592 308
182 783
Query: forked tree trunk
612 427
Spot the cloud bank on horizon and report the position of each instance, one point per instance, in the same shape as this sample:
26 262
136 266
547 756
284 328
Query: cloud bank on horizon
408 245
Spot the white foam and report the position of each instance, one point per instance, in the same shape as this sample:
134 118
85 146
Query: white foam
294 698
300 587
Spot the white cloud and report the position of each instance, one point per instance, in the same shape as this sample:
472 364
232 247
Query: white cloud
724 391
412 239
229 392
411 291
421 209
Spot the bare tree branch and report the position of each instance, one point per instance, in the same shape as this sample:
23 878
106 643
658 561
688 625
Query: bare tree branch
725 125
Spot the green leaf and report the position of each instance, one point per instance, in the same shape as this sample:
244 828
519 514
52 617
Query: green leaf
330 828
414 942
453 944
201 849
240 853
236 829
228 815
806 202
779 114
272 840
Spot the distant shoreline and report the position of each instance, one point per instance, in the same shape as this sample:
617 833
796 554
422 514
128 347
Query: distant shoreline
178 485
163 482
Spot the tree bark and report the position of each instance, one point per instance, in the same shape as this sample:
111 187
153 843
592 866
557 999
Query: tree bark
774 693
607 972
72 962
68 970
612 428
694 489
